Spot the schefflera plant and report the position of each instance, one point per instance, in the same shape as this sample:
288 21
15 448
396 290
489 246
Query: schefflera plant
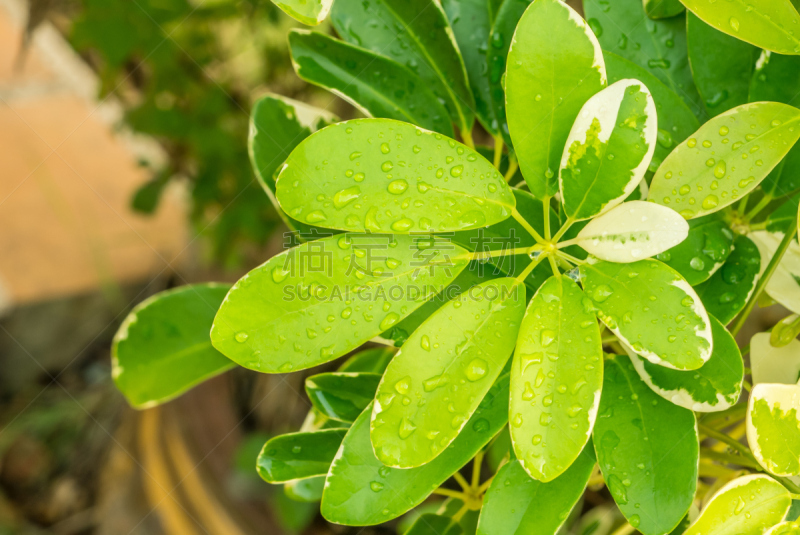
592 351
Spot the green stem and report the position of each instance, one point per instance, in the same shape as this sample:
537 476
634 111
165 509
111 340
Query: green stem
743 204
480 255
563 230
527 226
757 208
512 167
569 258
727 417
476 470
461 481
546 206
722 437
461 512
527 271
727 458
554 265
498 151
451 494
762 282
625 529
466 137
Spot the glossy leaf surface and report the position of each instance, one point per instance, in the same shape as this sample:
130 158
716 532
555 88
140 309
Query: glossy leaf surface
622 27
746 506
307 490
433 524
726 158
373 360
608 149
434 384
773 427
722 65
662 9
633 231
515 504
360 490
416 34
784 285
713 387
342 396
377 85
508 16
556 377
298 455
704 251
379 175
652 309
676 121
472 22
294 311
162 348
647 449
768 24
774 365
554 65
310 12
727 291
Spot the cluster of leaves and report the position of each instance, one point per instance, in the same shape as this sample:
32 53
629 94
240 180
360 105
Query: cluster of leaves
646 172
177 70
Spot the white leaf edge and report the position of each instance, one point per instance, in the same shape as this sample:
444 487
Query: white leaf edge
604 106
660 228
787 397
776 365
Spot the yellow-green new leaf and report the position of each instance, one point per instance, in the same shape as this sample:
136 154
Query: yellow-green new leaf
649 306
380 175
320 300
770 364
633 231
773 427
769 24
554 65
783 286
713 387
310 12
746 506
434 384
726 158
608 149
785 528
556 379
162 348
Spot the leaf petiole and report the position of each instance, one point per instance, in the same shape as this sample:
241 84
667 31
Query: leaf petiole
527 271
563 230
757 208
451 494
569 258
461 481
527 226
512 167
546 207
498 151
466 138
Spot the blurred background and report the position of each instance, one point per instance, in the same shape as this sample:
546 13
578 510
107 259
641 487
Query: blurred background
123 172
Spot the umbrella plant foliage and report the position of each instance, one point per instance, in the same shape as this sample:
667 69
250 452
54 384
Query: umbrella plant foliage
514 324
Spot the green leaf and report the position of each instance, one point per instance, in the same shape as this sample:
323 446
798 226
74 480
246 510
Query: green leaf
469 519
554 66
377 85
310 12
320 300
704 251
651 308
162 348
784 284
726 293
416 34
556 379
662 9
777 79
472 22
726 158
608 149
361 491
305 490
676 121
768 24
722 65
342 396
784 528
380 175
432 524
774 365
782 219
773 427
632 231
373 360
746 506
659 46
496 56
647 449
298 455
515 504
713 387
437 380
